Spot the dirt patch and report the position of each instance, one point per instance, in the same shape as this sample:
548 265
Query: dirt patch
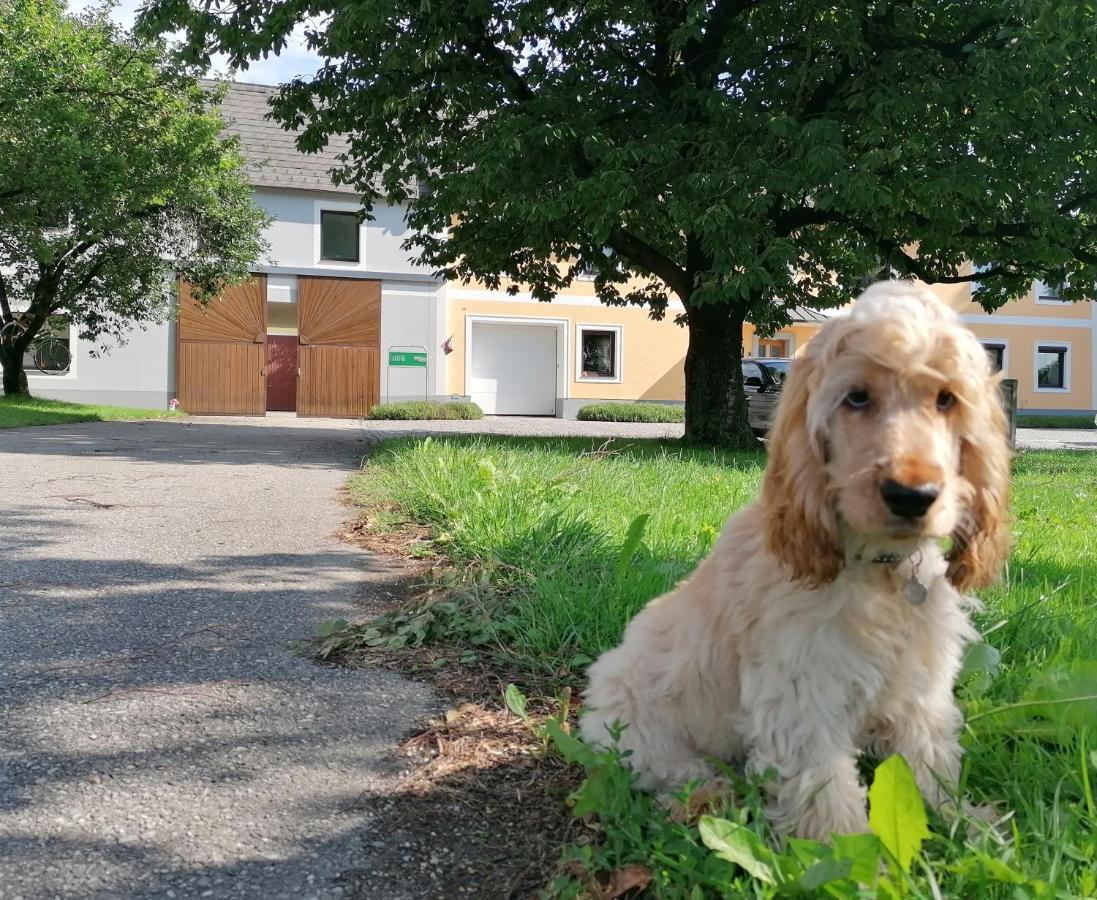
410 542
481 809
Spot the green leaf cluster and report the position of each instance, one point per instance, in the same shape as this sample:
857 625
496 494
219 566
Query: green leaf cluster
114 174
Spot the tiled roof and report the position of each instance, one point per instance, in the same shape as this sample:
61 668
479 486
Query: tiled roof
273 160
808 315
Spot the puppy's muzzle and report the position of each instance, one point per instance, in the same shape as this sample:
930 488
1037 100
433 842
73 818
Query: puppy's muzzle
909 501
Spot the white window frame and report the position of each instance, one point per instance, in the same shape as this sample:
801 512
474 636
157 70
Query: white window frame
618 352
1063 345
1040 287
1004 342
339 206
756 345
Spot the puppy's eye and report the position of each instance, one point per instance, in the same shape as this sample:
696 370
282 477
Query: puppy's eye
856 399
945 400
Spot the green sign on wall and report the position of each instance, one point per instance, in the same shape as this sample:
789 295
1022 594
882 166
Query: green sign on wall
407 358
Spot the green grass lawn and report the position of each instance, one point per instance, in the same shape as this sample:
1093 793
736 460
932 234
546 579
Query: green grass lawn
19 412
558 542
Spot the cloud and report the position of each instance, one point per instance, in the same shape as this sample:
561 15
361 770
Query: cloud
294 60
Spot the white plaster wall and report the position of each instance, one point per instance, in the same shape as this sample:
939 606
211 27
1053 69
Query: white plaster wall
294 236
139 372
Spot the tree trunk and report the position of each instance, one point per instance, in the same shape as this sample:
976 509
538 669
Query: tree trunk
716 407
15 379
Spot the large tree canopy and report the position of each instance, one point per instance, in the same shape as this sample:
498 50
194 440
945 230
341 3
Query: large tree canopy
746 156
113 174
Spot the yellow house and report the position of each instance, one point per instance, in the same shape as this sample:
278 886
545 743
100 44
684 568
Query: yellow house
514 355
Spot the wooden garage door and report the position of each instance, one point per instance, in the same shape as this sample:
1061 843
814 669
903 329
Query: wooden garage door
340 354
222 351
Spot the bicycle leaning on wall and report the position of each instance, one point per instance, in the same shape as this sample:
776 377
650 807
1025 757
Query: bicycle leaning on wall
49 354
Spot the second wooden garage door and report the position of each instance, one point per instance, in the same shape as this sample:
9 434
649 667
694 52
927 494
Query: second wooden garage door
340 353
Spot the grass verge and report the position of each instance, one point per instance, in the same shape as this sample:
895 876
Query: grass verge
22 411
1038 421
554 544
631 412
426 409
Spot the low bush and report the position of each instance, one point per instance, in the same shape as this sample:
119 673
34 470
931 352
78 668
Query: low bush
1047 421
426 409
631 412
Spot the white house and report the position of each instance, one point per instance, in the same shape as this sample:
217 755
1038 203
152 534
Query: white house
319 253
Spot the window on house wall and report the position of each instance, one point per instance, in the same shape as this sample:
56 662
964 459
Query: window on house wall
1051 366
996 353
339 234
1048 293
599 353
50 351
774 348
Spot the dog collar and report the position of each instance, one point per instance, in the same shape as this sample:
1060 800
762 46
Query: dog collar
886 558
914 590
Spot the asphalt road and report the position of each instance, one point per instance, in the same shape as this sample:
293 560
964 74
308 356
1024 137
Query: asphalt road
157 739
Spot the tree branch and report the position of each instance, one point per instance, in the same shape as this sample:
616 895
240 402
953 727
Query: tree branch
649 257
702 55
5 308
878 39
94 269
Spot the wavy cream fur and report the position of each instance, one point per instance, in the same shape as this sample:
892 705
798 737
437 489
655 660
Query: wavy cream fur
789 646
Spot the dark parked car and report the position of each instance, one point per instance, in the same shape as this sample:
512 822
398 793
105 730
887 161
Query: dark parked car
762 382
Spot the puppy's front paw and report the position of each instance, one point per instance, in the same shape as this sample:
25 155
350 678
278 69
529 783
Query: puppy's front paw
701 800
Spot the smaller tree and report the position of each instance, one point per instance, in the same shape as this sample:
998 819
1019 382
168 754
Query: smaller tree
113 175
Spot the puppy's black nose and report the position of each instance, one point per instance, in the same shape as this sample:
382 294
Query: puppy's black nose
906 501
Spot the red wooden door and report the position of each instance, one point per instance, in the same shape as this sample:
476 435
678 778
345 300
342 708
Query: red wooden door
282 372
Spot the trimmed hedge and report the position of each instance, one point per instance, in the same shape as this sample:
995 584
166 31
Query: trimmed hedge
426 409
1037 420
631 412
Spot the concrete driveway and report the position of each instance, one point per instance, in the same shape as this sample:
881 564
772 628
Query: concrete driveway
156 737
529 426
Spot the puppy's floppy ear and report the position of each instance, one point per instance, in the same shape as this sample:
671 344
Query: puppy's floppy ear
798 522
981 541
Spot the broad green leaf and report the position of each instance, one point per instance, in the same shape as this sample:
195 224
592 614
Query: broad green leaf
1064 695
825 871
980 657
808 852
739 845
632 542
863 852
516 702
330 626
897 814
569 746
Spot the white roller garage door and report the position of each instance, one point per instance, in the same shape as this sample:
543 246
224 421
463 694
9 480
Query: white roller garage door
514 369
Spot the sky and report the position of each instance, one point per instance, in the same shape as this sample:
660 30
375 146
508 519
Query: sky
294 60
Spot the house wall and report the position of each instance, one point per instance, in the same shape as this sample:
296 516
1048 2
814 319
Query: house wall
1022 325
652 353
139 372
294 237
